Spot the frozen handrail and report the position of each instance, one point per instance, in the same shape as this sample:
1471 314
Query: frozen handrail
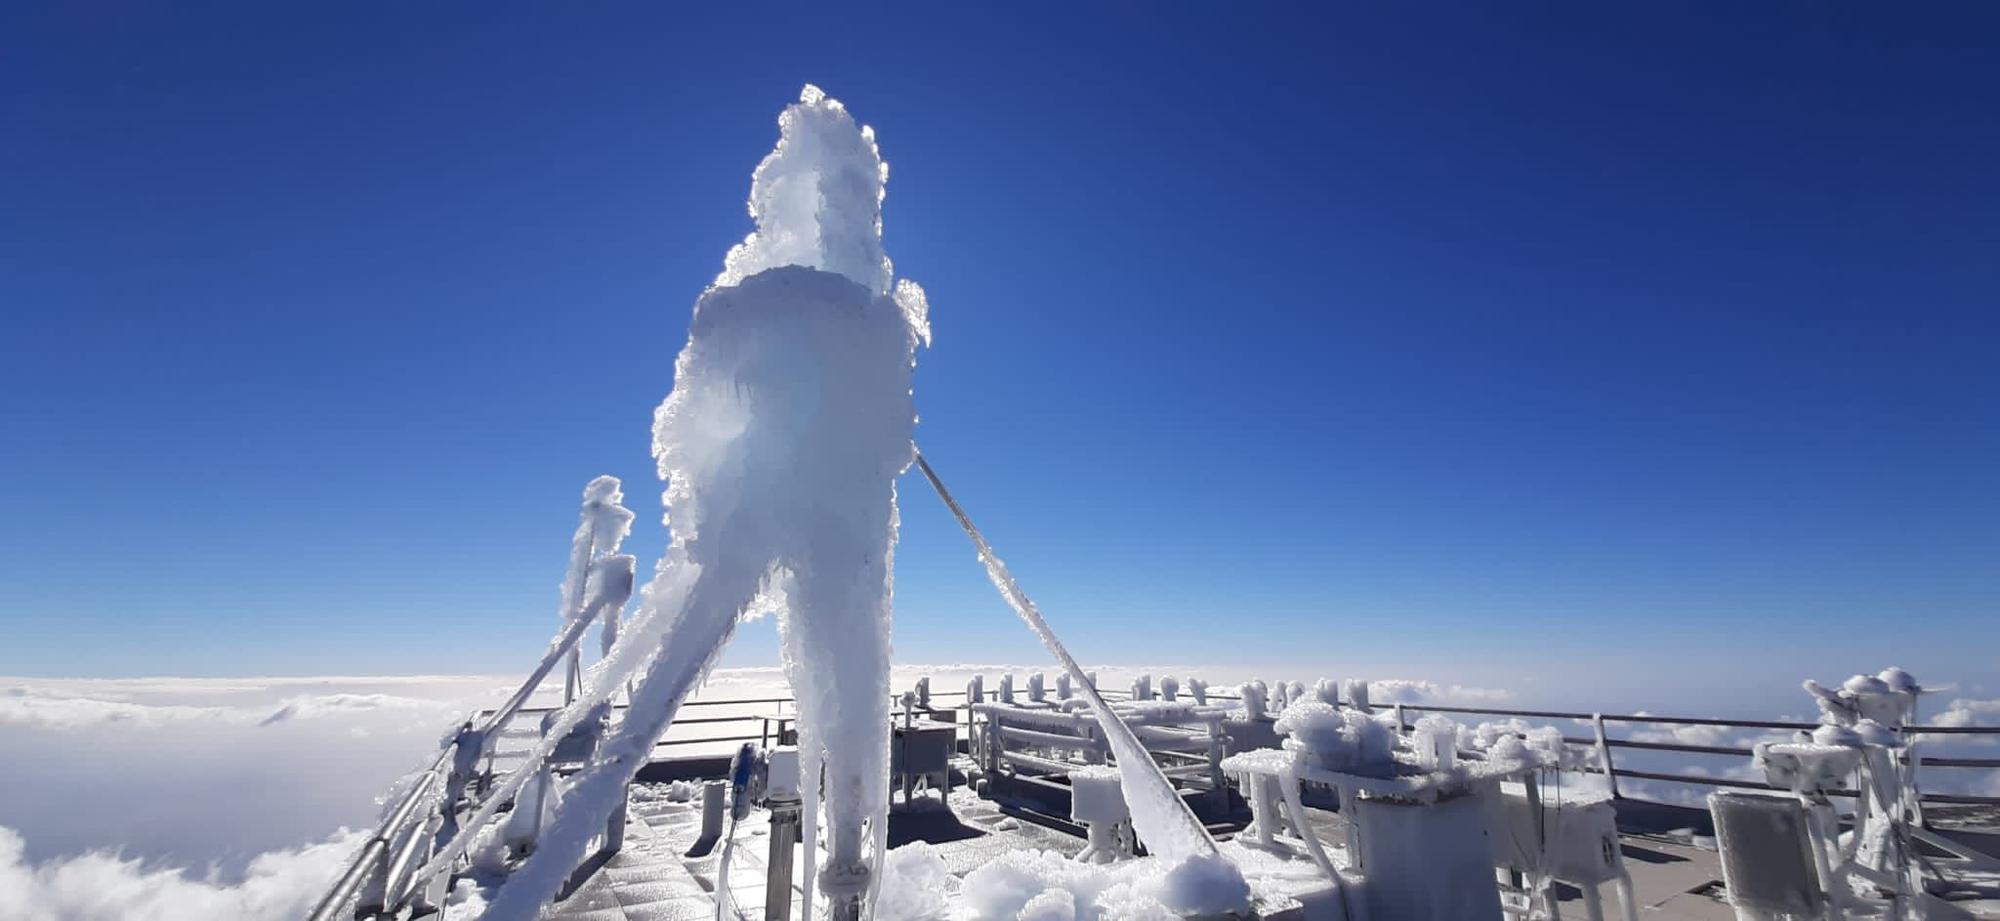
517 778
565 641
370 859
370 862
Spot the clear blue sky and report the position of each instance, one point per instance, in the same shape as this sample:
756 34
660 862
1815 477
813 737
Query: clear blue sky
1511 331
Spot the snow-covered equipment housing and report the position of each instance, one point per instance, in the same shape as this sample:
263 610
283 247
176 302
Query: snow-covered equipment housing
1861 749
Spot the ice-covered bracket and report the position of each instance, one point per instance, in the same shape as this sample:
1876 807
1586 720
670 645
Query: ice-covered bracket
790 418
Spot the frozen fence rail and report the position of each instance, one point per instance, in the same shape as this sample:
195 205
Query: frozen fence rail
379 880
1605 743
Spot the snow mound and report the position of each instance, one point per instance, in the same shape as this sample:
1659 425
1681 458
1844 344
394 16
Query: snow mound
1046 886
914 882
1338 739
102 886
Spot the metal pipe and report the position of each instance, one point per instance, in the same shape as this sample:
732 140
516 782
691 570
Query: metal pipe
1604 756
565 641
395 886
1664 720
784 839
1730 750
351 880
349 883
1960 762
712 808
486 735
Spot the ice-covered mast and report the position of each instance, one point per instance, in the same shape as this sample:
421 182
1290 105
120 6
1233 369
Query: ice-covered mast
789 421
602 526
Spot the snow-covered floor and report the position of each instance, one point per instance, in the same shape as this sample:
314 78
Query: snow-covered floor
665 873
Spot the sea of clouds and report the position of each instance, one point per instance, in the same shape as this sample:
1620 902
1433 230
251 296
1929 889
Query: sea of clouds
224 799
171 798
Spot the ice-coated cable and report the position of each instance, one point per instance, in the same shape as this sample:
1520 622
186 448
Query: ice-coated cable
1161 817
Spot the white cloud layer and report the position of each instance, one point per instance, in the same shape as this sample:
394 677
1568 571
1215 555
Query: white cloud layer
102 886
1968 712
1412 691
210 773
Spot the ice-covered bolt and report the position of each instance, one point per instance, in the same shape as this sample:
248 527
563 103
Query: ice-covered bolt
1142 687
1295 692
1253 700
1874 699
1834 706
1063 689
1170 689
1899 680
603 523
1436 742
611 576
1901 683
1007 688
924 692
975 690
1328 691
1357 693
1198 689
1036 691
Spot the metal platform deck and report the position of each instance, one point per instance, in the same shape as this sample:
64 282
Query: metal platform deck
667 873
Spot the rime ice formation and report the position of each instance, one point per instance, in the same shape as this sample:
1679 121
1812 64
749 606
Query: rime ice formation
789 420
1037 884
604 524
817 199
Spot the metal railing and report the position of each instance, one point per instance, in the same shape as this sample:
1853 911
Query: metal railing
1601 740
376 884
1604 744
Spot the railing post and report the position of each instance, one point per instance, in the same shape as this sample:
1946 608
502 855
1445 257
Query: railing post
1912 796
1400 725
778 868
1604 754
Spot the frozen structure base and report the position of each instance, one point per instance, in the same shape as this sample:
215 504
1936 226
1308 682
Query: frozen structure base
1097 800
1581 830
1428 862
